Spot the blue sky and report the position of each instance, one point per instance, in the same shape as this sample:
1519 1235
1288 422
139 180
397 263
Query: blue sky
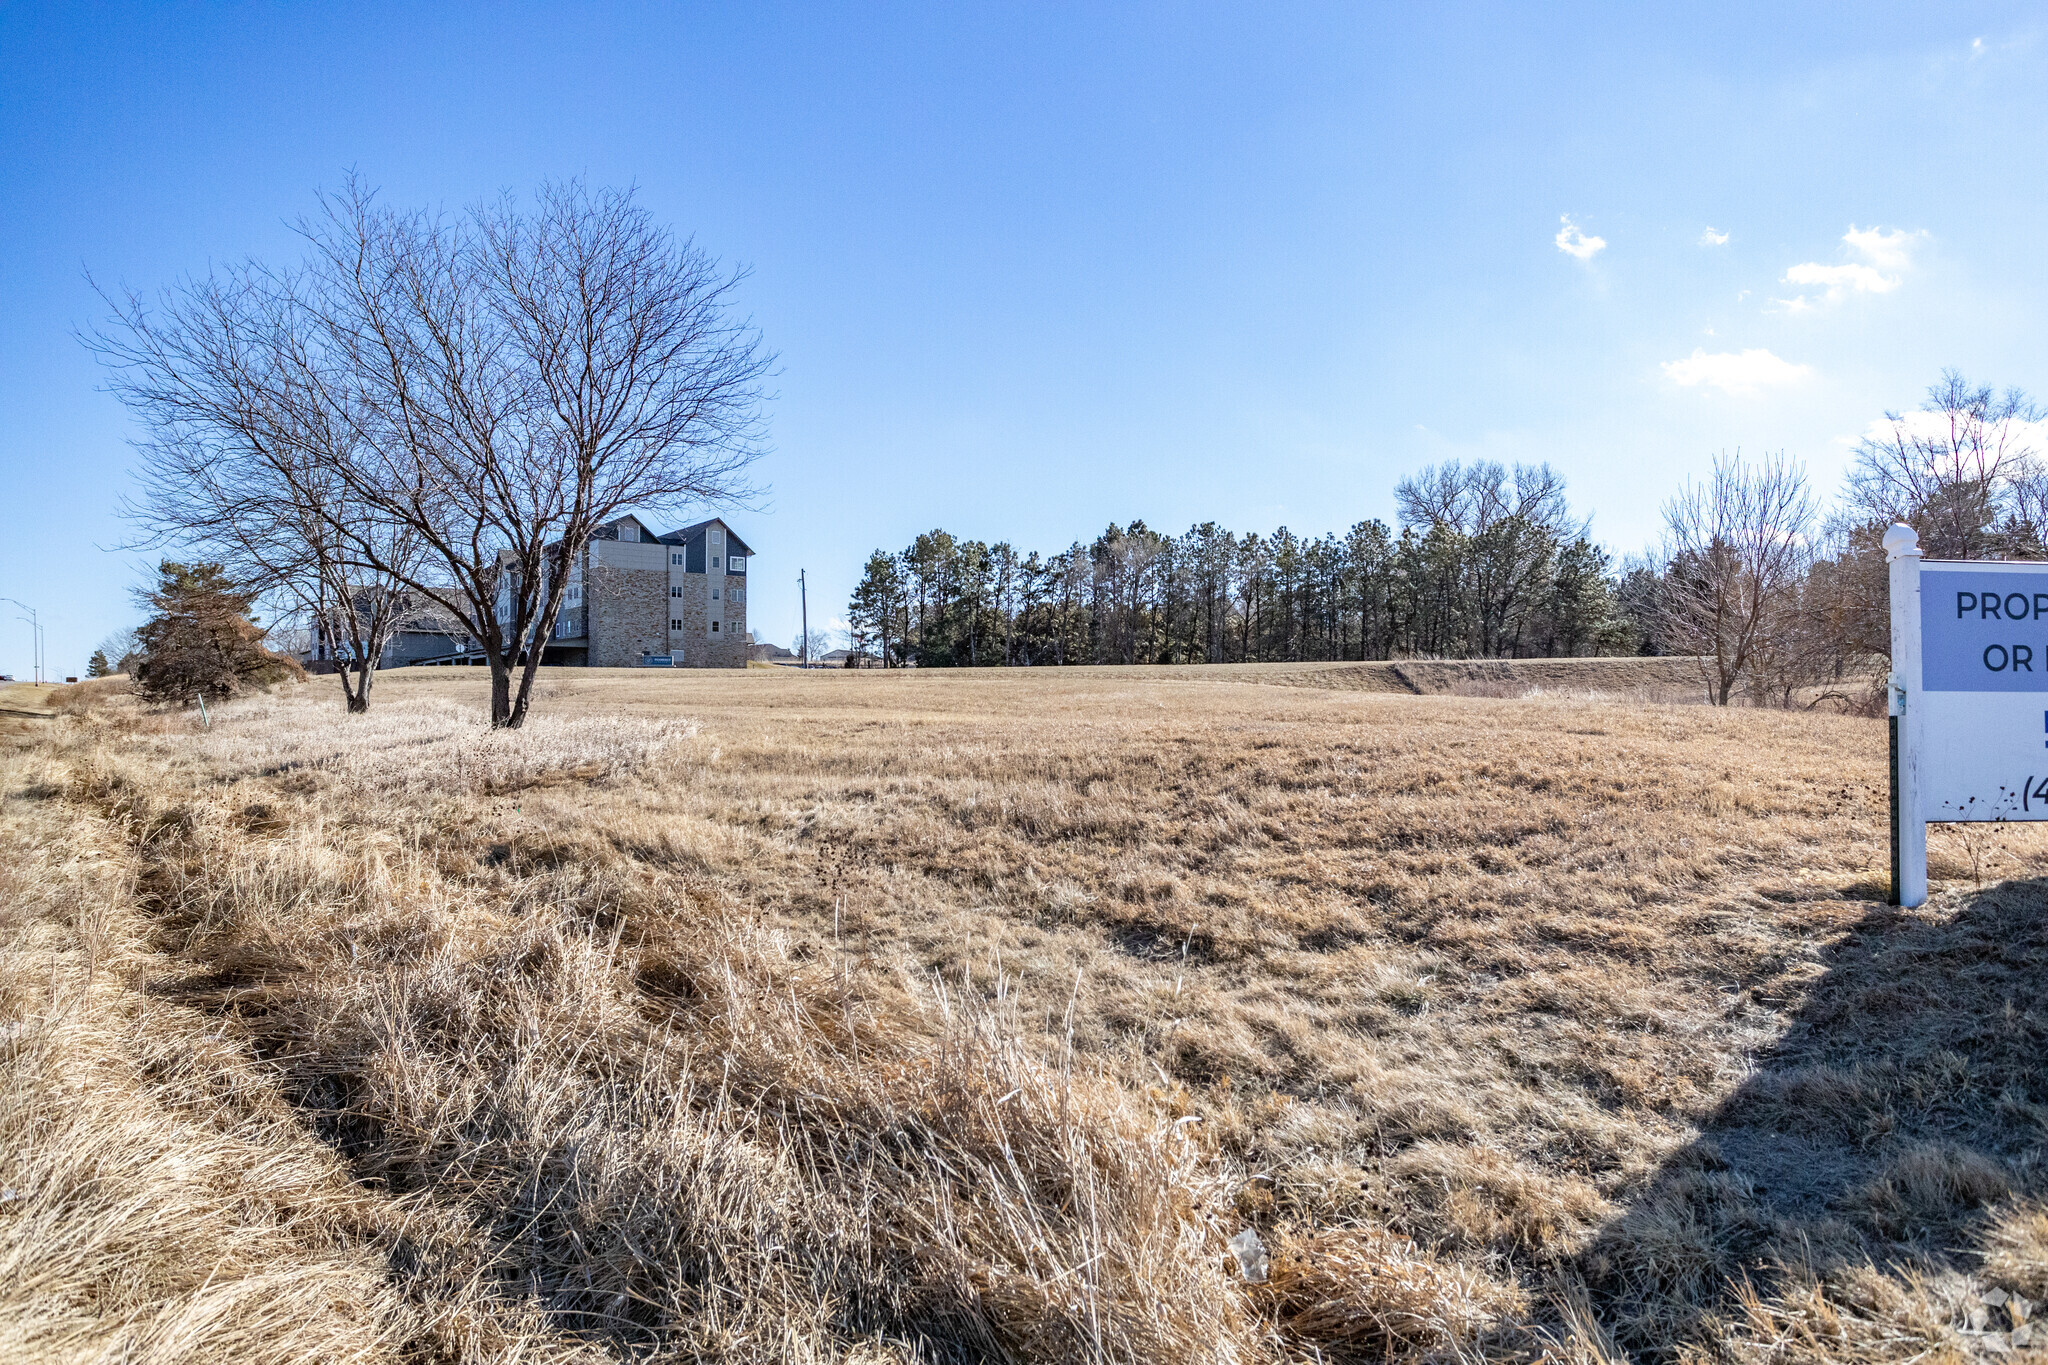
1035 268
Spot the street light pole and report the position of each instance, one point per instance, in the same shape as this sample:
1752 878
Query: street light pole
804 599
35 636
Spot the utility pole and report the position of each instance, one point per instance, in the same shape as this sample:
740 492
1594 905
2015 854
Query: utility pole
35 636
804 598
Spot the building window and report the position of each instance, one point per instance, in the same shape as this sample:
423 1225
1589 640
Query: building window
714 561
714 627
675 591
675 559
675 625
736 564
714 594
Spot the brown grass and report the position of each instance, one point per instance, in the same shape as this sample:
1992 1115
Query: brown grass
866 1016
76 699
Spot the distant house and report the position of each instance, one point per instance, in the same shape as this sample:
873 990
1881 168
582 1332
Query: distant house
633 598
768 654
425 633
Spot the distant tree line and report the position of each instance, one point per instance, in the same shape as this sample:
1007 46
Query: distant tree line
1779 599
1488 561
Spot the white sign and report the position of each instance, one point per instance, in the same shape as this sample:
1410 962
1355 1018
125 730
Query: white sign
1969 697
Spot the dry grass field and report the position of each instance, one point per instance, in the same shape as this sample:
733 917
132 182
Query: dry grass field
969 1017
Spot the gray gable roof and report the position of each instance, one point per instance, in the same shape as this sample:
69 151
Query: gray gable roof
689 533
610 531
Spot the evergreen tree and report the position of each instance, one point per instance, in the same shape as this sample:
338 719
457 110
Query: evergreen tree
876 612
1584 617
202 638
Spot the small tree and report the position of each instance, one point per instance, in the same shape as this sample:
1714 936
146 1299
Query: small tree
123 650
1737 550
859 642
97 666
1583 616
201 639
820 645
1638 595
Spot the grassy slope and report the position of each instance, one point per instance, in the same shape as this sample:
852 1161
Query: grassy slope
1616 679
1503 1021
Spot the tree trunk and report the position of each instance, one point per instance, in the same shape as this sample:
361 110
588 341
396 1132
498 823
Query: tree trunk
359 702
501 694
524 698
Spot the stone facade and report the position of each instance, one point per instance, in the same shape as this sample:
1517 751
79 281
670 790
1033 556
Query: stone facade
691 640
626 615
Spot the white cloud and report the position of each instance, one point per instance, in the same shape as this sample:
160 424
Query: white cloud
1889 250
1713 238
1573 242
1880 249
1934 426
1735 372
1841 279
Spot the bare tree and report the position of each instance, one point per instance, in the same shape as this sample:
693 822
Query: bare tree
524 377
1963 471
241 458
1508 527
1736 553
814 646
122 648
438 412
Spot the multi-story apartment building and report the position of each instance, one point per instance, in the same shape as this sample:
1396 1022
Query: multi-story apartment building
635 597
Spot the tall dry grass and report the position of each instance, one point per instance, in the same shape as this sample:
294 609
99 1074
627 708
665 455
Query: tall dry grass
554 1108
865 1016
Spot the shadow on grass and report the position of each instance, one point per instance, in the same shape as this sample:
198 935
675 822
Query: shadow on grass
1906 1103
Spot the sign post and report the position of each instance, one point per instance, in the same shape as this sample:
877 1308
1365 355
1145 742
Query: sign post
1968 697
1909 830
